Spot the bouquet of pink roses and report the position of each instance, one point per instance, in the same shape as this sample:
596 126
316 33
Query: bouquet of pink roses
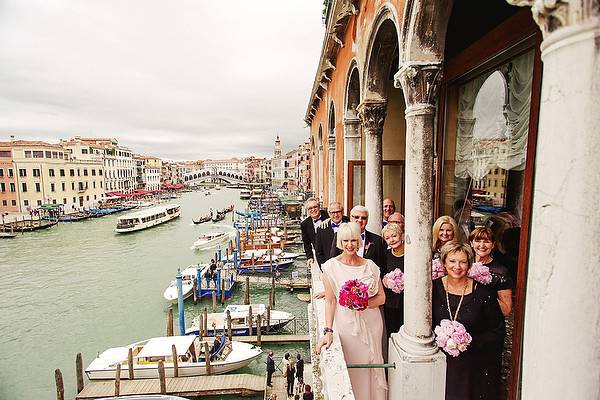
395 280
437 269
452 337
480 273
354 295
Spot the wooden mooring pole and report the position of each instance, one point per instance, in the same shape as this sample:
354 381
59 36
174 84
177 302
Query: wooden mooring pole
258 328
229 333
222 289
175 363
161 377
207 359
60 387
118 380
214 301
170 322
247 291
130 363
79 372
268 317
205 322
250 321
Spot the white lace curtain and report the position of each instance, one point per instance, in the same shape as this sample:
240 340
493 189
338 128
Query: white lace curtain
493 123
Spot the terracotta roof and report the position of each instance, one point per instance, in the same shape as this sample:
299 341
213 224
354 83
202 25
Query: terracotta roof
22 143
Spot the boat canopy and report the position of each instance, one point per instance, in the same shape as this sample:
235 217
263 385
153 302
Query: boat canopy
149 211
161 346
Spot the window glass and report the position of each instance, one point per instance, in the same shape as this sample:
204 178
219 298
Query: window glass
486 133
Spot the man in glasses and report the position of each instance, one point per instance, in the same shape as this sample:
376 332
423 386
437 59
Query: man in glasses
309 226
372 245
325 232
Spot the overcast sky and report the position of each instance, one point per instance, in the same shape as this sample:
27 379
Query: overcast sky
178 79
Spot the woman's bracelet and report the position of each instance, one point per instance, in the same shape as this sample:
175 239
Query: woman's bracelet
327 330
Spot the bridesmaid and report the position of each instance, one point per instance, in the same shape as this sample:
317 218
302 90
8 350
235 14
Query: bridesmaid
360 332
393 309
444 231
457 297
482 242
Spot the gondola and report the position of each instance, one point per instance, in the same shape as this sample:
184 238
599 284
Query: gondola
202 220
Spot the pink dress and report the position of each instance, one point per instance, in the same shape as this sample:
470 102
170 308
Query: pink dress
361 332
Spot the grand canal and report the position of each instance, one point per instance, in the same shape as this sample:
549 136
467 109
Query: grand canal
80 287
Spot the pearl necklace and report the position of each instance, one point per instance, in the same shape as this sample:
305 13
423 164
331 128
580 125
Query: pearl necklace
462 296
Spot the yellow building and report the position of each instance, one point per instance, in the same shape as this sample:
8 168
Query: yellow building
48 173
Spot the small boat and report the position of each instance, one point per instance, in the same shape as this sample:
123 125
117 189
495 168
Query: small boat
224 280
226 209
7 235
187 283
202 220
209 240
245 194
207 193
73 217
147 218
263 265
263 254
225 356
218 217
239 320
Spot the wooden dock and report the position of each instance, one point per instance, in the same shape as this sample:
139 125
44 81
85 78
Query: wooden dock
287 283
193 386
264 338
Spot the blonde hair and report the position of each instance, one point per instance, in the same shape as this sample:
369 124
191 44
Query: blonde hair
348 231
392 227
455 247
435 240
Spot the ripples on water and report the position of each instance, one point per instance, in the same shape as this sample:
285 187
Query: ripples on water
80 287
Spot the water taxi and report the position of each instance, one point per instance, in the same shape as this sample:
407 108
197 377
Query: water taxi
245 194
210 240
224 355
240 314
222 281
147 218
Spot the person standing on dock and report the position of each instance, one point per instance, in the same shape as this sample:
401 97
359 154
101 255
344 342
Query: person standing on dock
326 231
309 227
270 369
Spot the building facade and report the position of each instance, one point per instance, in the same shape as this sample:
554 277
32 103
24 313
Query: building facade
45 173
438 105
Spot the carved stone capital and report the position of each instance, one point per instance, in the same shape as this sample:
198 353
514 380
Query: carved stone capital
552 15
372 115
420 83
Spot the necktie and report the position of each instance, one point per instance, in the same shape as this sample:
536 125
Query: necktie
334 225
362 236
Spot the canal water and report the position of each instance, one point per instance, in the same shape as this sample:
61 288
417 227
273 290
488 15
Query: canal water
80 287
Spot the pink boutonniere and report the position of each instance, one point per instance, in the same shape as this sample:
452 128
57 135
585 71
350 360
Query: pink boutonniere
367 245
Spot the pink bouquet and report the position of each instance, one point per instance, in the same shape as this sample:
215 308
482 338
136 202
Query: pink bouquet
452 337
480 273
354 295
437 269
395 280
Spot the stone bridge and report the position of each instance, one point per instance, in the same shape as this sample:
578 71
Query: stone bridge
212 175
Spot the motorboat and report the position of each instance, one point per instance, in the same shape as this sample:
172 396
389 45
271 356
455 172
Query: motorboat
263 265
240 314
224 355
187 283
147 218
245 194
209 240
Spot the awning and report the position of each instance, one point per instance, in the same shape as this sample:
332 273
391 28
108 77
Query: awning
161 346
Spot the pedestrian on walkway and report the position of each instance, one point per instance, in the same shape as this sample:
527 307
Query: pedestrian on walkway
299 368
308 394
290 375
270 369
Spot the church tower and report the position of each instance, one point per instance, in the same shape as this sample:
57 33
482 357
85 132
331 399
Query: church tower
277 148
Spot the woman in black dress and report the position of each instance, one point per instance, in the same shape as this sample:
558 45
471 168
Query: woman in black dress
393 309
482 242
457 297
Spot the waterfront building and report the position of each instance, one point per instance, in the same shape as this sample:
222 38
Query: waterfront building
118 161
265 171
232 164
423 102
45 173
151 173
8 183
303 167
290 170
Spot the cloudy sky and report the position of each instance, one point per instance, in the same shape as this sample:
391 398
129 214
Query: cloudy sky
179 79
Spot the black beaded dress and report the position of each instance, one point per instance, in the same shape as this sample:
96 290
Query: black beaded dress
468 375
393 309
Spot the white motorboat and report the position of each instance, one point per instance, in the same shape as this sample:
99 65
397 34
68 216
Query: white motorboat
147 218
263 254
187 283
239 320
245 194
225 356
208 240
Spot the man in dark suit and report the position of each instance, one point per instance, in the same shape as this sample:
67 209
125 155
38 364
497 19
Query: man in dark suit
372 245
309 226
327 230
270 368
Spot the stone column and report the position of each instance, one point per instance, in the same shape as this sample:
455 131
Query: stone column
562 316
420 367
320 173
331 169
372 115
352 148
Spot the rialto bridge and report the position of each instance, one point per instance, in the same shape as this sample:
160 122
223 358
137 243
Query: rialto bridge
212 175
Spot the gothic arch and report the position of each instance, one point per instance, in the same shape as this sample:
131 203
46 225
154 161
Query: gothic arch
352 98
